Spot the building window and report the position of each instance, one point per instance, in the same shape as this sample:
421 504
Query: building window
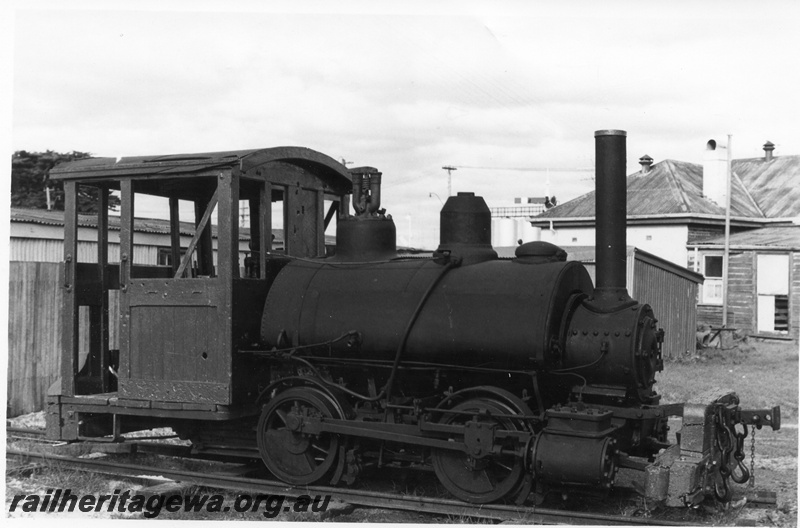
517 200
772 288
165 256
574 239
712 287
649 237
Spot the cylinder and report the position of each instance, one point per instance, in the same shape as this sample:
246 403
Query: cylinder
611 194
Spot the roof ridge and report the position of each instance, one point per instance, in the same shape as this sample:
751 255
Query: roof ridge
676 181
747 193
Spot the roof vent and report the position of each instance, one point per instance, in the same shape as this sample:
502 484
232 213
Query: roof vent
646 162
768 148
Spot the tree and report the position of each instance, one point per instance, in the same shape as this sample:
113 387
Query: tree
30 173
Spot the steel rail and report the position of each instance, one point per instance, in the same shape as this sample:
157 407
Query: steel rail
25 430
499 512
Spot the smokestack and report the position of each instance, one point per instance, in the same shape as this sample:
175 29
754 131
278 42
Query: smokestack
610 225
768 148
646 162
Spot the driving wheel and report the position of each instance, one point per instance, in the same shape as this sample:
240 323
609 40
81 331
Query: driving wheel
290 454
479 480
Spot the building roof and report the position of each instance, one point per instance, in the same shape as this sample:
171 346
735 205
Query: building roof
759 190
774 237
774 185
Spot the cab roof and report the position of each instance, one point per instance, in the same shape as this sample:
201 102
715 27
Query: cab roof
110 169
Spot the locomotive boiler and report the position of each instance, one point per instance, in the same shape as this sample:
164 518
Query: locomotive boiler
509 378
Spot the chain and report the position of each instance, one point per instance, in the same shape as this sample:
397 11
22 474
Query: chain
753 456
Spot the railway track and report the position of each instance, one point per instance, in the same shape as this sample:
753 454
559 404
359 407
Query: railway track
496 512
25 433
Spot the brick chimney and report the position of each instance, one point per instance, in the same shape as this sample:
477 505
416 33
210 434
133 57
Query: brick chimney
715 171
768 148
646 162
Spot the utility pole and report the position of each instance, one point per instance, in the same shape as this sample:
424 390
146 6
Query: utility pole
726 252
449 169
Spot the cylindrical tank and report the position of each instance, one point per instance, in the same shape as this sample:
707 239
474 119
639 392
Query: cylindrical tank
503 314
504 232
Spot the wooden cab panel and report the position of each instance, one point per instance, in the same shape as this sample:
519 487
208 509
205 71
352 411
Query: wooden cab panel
177 342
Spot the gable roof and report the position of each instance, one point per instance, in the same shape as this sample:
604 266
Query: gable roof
759 190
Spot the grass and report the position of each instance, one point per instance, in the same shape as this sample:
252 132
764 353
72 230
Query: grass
763 374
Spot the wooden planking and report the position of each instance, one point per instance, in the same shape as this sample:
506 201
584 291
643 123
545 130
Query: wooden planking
34 320
742 289
34 332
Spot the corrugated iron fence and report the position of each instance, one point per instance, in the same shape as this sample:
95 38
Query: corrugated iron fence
34 333
674 302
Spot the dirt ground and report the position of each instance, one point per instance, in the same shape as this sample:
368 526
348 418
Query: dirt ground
763 374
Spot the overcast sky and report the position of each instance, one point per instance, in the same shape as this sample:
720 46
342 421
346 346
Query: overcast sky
409 88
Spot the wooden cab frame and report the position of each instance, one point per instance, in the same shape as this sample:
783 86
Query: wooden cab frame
181 324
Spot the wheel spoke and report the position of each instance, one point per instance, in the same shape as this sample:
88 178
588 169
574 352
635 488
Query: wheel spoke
289 455
498 463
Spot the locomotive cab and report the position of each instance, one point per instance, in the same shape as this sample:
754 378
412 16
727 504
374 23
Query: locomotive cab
186 307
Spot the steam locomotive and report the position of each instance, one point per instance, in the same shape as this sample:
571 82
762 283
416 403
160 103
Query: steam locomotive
511 378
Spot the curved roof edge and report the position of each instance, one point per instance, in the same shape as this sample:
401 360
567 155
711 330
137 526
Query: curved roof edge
166 165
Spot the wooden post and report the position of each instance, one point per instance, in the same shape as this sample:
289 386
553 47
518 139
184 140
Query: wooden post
289 219
125 263
228 225
102 262
266 226
69 348
175 233
320 212
205 251
255 233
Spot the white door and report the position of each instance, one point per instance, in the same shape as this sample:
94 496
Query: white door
772 280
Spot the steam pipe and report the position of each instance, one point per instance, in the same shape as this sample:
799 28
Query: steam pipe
358 179
374 193
611 194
